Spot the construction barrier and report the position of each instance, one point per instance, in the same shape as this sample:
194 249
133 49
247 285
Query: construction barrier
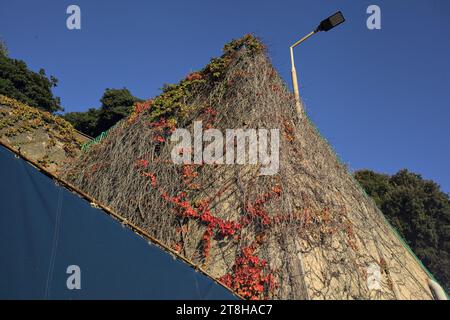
55 245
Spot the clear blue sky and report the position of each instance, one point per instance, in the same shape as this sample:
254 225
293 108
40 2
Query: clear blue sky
380 97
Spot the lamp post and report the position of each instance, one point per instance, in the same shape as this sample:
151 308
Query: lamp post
325 25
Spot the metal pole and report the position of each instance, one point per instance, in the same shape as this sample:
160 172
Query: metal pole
298 104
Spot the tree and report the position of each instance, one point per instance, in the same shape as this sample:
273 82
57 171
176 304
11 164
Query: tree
3 48
419 210
116 105
85 122
20 83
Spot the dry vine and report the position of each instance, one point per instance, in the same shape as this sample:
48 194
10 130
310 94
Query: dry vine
307 232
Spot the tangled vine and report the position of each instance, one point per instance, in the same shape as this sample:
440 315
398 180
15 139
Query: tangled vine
306 232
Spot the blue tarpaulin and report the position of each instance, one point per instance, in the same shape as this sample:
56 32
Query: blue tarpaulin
55 245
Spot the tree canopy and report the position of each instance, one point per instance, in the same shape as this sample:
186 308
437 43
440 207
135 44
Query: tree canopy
3 48
24 85
419 210
116 104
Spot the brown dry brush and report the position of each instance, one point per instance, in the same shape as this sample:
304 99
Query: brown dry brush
307 232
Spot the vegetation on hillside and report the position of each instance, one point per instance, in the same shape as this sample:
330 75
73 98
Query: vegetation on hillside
24 85
22 125
419 210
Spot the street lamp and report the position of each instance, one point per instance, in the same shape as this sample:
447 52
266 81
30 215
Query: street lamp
325 25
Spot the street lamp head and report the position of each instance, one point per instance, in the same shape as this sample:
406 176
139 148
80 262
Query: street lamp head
331 22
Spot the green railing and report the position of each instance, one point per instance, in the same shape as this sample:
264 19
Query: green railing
104 134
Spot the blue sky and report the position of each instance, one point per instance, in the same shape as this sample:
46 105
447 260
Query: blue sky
380 97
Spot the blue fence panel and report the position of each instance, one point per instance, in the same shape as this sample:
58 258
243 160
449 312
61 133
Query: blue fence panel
44 229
